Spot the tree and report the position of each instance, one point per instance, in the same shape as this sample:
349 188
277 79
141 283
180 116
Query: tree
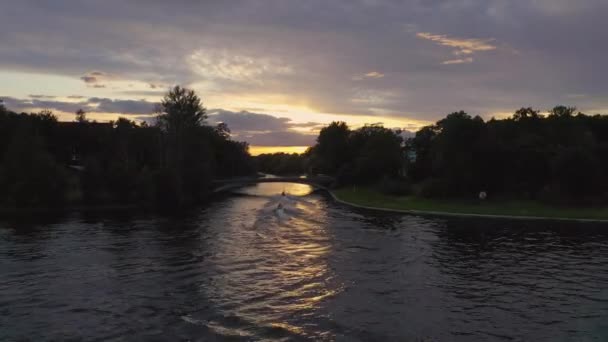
457 158
81 116
361 156
222 130
576 173
187 157
172 162
332 149
93 182
30 175
528 156
377 152
526 113
420 146
181 110
281 163
562 111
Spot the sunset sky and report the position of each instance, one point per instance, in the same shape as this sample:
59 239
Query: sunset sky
276 71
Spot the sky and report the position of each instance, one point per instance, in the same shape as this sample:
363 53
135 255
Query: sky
276 71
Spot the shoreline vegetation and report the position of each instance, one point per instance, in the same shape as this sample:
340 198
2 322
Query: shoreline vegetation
372 199
48 165
369 198
532 164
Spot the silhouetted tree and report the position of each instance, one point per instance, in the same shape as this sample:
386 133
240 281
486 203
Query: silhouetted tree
281 163
81 116
526 113
360 156
30 176
171 162
377 154
222 130
94 182
526 156
562 111
187 156
576 174
332 147
559 157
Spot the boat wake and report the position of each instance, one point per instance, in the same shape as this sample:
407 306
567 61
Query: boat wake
283 208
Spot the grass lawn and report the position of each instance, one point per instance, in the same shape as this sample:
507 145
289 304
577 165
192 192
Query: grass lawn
372 198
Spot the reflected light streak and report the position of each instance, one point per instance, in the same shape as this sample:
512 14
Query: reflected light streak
277 269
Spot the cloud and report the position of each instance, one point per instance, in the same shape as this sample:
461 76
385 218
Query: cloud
458 61
264 129
37 96
232 52
576 96
248 121
255 128
23 105
462 46
89 79
91 105
374 74
230 66
371 74
94 78
158 93
105 105
313 126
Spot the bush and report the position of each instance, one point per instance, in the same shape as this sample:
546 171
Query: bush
432 187
395 187
345 175
30 175
145 186
93 182
167 188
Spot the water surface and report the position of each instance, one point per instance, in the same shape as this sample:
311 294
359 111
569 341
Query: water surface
244 269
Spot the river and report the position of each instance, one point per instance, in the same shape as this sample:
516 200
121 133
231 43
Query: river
241 269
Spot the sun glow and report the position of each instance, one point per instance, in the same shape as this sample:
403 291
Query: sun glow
257 150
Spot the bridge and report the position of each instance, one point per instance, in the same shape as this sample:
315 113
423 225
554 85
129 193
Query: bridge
320 181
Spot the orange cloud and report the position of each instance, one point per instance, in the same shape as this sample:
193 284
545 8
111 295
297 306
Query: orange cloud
371 74
462 46
458 61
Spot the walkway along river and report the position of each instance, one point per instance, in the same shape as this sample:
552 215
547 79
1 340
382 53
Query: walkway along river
316 269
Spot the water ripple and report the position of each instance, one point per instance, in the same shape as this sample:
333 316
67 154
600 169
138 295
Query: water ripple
239 270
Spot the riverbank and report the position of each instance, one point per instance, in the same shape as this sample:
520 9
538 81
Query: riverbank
69 208
371 199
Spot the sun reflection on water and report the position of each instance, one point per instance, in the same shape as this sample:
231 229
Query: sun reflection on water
275 189
270 272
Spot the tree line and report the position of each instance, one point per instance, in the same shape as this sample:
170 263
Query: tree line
558 157
281 163
44 162
561 157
